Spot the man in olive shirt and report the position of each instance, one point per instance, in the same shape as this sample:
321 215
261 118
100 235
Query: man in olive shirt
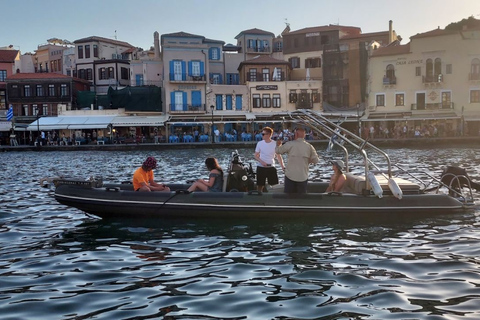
300 155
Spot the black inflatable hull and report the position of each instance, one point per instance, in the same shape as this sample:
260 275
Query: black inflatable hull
116 202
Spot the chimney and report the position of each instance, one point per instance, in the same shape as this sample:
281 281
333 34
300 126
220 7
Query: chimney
156 45
390 31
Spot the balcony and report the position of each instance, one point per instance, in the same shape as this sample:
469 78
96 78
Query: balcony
388 81
188 108
259 50
434 106
432 79
186 78
259 77
474 76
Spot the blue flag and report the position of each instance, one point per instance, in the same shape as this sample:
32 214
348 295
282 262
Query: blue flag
10 113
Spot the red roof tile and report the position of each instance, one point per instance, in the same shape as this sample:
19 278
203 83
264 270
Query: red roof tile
8 55
392 50
255 31
434 33
34 76
331 27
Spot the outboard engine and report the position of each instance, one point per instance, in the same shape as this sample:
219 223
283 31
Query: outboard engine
241 177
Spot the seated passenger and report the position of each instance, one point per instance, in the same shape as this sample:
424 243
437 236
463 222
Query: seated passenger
337 181
143 177
215 178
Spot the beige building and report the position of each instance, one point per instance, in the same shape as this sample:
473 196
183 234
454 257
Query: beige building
430 85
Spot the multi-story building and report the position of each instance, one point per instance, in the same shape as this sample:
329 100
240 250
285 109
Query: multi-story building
254 42
49 57
430 84
146 67
40 94
102 61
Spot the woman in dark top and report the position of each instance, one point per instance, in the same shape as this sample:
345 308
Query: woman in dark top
215 178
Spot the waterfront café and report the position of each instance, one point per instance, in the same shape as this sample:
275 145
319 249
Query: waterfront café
101 128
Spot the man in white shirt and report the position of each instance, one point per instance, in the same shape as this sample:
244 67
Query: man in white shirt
265 155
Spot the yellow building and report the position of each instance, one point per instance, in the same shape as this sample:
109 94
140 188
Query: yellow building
430 85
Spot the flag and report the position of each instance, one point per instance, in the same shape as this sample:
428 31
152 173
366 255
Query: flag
10 113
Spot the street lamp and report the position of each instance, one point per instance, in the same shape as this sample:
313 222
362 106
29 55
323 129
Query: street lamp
213 134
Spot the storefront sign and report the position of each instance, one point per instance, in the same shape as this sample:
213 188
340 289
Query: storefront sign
405 62
267 87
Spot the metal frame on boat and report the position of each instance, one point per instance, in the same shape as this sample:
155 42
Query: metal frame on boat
378 191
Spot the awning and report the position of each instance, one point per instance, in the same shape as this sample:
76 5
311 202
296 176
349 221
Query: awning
434 116
250 116
386 116
140 121
70 122
5 125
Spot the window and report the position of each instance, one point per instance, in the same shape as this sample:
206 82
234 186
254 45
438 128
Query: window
51 90
177 67
195 71
390 75
437 67
95 51
324 40
139 79
278 46
87 51
399 99
252 75
265 74
102 74
124 73
229 102
40 92
380 100
475 69
64 90
35 110
110 73
81 74
89 74
214 54
277 76
294 62
14 91
232 78
475 96
446 99
276 101
418 71
45 109
315 96
215 78
313 63
266 100
429 70
80 52
26 91
3 75
292 96
256 101
448 68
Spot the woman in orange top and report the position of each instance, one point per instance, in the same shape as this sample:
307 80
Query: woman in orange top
143 177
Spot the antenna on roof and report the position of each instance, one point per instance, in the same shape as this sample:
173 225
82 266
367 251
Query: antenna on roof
286 22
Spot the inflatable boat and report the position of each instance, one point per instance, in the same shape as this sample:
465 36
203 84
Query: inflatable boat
376 190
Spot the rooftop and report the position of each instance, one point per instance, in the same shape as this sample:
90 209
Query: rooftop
101 39
8 55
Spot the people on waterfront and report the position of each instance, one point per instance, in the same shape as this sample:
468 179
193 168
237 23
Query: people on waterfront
300 155
338 179
143 178
215 178
265 155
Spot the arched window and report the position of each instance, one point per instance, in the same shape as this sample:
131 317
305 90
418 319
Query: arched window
429 73
475 69
389 75
438 67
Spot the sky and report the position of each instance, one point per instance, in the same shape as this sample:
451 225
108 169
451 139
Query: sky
29 23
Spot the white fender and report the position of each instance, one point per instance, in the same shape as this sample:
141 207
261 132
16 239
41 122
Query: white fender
377 189
396 191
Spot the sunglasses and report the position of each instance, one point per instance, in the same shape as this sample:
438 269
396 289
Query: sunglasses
264 134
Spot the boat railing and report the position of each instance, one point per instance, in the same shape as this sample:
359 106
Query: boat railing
465 197
335 132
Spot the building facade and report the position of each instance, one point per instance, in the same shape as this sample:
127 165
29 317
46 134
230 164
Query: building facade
430 85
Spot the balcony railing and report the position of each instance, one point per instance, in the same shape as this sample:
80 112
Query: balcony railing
433 79
186 78
389 81
259 77
434 106
187 108
474 76
260 50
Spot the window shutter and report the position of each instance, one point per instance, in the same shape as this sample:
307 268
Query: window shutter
219 104
229 102
202 68
220 79
184 101
238 102
218 53
171 70
172 101
184 67
190 66
210 53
